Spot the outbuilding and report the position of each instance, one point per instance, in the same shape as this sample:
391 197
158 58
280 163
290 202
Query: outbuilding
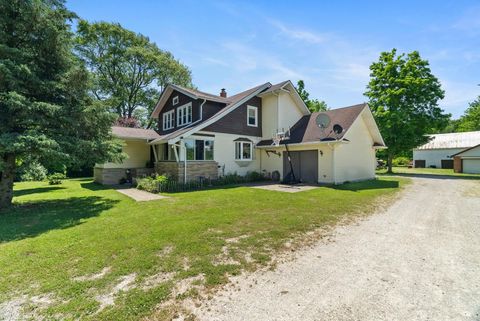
440 148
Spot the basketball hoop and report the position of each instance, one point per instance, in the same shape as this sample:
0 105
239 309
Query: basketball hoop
276 141
279 136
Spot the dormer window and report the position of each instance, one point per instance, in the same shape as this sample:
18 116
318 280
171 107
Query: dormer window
175 100
252 116
184 114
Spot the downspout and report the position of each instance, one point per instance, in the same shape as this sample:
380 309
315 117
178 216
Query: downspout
201 109
334 168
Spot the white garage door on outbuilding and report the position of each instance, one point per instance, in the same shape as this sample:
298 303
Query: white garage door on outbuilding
471 166
468 161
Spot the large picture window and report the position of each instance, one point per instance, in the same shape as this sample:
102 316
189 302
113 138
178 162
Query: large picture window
184 114
168 122
243 150
199 149
252 116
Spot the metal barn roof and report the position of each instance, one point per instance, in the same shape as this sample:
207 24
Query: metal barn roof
452 140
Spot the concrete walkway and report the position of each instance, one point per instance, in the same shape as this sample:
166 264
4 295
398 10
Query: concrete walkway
140 196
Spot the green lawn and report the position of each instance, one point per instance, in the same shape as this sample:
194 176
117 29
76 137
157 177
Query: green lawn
428 171
55 234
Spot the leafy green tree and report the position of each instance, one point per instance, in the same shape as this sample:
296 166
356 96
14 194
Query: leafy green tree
470 121
128 70
404 97
313 105
46 112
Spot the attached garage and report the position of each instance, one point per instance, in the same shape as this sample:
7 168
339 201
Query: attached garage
468 161
304 164
471 166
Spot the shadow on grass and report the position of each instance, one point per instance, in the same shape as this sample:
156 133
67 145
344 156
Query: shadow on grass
434 176
22 192
34 218
367 185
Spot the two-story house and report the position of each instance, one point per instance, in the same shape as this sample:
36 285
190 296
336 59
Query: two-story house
204 135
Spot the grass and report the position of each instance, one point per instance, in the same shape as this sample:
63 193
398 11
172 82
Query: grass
428 171
55 234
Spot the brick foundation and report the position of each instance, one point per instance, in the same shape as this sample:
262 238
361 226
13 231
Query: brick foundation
112 176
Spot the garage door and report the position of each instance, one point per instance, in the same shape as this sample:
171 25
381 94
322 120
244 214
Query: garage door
305 165
471 166
419 163
447 163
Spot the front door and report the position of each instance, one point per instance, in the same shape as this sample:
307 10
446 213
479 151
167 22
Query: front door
305 165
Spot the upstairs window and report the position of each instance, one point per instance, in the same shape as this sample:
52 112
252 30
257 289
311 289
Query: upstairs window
243 150
175 100
184 114
252 116
168 120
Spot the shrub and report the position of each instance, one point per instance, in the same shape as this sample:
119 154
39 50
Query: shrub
401 161
56 178
32 171
152 184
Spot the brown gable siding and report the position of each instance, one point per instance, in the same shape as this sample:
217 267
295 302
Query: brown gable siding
182 100
235 122
210 108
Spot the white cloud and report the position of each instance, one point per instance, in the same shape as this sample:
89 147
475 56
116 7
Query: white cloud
457 96
299 34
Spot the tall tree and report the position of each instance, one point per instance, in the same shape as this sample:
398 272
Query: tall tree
404 97
128 70
46 112
470 121
313 105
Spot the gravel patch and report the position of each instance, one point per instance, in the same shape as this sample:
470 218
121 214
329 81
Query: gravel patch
417 260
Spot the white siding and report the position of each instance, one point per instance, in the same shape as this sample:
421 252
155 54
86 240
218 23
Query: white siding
269 115
355 160
433 157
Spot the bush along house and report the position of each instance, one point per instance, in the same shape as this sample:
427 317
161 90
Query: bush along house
266 129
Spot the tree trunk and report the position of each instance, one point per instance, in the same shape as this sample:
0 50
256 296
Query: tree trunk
389 163
6 181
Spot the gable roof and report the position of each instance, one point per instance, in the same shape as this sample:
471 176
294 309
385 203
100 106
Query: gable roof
306 129
289 87
466 150
234 102
134 133
452 140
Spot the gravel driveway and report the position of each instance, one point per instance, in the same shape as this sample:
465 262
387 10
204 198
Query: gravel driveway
418 260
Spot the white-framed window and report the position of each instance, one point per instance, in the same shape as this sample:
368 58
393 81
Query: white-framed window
199 149
168 120
243 150
252 116
175 100
184 114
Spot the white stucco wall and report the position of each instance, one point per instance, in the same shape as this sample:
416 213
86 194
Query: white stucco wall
289 112
278 111
224 154
433 157
355 160
138 154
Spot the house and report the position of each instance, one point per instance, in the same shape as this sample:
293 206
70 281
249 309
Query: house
201 135
467 161
438 151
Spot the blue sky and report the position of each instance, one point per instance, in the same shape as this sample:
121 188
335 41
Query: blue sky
328 44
